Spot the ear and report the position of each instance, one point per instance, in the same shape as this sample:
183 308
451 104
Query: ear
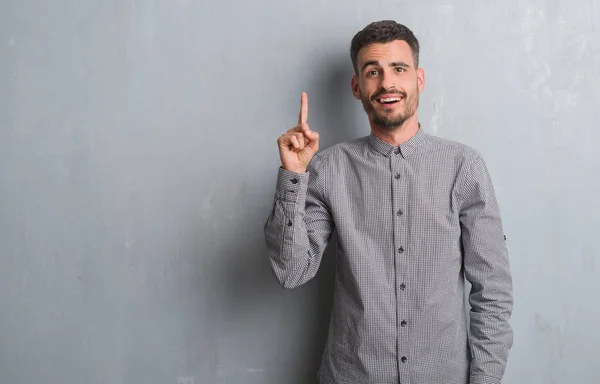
421 79
355 87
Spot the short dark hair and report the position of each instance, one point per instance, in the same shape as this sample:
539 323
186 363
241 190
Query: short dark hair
383 31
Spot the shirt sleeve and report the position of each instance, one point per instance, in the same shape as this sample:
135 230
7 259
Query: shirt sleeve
487 268
299 226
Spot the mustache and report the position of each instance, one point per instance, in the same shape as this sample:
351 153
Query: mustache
384 92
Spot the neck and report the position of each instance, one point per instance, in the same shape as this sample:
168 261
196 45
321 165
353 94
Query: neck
398 135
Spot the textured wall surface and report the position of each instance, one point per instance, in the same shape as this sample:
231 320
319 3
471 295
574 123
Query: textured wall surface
138 159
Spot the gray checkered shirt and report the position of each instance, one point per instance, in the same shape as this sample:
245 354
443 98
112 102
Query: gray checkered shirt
412 222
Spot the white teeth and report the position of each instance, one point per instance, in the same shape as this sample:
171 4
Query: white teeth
389 99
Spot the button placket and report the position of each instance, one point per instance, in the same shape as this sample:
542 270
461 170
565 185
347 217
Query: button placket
400 195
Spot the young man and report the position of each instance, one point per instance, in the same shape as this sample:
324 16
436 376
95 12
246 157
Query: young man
415 215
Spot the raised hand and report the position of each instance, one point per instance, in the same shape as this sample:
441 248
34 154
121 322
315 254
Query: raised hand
299 144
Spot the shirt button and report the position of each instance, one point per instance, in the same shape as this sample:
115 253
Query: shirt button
403 323
397 176
401 250
399 213
294 181
402 286
404 359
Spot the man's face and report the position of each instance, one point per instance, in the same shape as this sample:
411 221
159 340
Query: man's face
388 84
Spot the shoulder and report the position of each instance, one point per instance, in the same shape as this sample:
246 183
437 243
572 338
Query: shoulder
343 148
462 155
440 144
327 164
337 153
471 167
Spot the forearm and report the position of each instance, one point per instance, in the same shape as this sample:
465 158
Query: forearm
487 268
491 335
297 229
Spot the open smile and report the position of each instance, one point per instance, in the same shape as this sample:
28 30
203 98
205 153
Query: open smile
389 101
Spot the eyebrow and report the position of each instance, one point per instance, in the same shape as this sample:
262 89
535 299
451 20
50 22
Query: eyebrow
394 64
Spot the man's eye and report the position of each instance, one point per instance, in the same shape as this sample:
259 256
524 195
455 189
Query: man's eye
400 69
372 73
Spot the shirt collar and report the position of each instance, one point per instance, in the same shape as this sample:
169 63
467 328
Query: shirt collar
405 149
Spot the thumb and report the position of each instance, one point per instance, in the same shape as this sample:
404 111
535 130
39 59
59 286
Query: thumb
307 132
313 138
312 135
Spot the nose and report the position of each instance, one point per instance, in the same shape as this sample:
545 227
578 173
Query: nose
387 80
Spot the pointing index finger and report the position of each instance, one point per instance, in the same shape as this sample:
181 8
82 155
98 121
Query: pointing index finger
303 116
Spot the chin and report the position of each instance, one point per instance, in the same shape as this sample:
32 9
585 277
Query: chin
389 124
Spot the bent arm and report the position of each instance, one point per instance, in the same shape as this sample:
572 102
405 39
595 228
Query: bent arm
299 226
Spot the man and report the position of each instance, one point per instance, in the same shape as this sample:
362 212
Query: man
415 215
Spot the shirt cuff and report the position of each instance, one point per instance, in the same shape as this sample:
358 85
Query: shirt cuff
291 186
479 379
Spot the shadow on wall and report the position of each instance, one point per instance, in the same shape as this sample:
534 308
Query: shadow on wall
333 110
255 321
289 327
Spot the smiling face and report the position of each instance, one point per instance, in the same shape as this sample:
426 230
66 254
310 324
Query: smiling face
388 84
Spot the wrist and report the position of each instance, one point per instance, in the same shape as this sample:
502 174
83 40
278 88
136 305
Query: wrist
295 170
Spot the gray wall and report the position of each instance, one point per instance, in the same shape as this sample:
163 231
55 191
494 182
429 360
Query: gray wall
138 161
